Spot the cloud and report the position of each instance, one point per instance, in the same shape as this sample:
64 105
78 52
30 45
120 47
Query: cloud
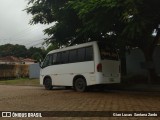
14 27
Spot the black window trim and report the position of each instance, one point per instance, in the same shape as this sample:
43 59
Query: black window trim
69 54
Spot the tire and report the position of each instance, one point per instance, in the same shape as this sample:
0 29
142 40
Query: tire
80 85
48 84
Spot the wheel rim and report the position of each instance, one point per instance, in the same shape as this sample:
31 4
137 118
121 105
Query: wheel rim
80 84
48 84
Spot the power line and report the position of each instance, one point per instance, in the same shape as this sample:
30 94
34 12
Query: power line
24 34
22 39
35 43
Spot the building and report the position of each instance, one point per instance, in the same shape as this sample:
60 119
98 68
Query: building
27 61
10 60
15 60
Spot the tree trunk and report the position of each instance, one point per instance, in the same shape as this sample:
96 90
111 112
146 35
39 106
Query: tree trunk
123 61
148 53
149 65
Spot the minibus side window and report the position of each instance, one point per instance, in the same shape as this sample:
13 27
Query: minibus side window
81 54
89 53
54 57
64 57
72 56
58 58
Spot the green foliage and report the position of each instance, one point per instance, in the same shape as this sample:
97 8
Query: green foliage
52 47
120 23
13 50
22 51
36 53
64 32
37 56
126 22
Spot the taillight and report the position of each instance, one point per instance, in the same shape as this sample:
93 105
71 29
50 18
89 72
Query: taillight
99 67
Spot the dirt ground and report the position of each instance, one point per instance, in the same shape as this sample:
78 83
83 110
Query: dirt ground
31 98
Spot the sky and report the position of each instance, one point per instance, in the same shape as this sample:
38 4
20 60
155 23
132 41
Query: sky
15 27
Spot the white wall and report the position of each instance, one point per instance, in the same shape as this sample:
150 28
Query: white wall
135 60
34 71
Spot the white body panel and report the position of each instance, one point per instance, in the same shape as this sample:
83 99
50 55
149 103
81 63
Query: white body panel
63 74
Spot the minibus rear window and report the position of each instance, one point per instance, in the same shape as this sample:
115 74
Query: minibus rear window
106 52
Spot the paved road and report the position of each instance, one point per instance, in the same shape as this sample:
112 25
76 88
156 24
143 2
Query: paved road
29 98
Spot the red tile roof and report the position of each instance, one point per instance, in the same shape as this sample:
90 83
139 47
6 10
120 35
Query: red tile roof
10 59
28 60
15 59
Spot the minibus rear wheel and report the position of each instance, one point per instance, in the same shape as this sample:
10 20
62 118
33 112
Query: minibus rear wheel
80 85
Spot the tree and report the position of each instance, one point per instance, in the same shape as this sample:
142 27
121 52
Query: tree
22 51
13 50
121 23
37 56
36 53
52 47
48 11
132 22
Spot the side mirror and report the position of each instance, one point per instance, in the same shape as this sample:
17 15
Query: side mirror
40 64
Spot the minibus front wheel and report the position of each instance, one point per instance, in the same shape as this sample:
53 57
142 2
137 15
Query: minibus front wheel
48 83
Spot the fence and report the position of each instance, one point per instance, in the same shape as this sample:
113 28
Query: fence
13 71
34 70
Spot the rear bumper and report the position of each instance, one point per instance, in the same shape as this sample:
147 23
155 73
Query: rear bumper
101 79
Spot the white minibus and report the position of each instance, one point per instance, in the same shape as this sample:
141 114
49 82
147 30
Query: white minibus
80 66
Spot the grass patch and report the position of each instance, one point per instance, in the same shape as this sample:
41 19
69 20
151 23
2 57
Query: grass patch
20 81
